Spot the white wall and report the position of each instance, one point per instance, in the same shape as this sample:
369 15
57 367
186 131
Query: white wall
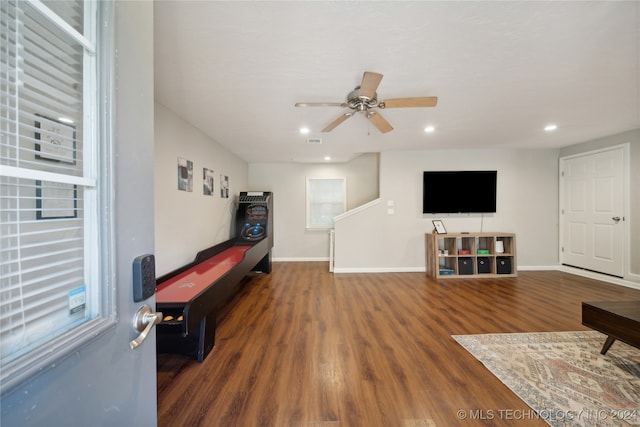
527 204
187 222
292 241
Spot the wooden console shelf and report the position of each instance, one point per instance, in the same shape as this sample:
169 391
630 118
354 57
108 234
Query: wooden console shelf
466 255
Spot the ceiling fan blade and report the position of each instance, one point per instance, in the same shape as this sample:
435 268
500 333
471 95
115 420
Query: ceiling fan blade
320 104
379 122
427 101
369 85
331 126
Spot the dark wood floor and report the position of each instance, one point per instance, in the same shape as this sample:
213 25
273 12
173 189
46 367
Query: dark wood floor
304 347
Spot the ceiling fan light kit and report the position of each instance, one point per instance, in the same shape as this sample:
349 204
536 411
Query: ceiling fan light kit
364 98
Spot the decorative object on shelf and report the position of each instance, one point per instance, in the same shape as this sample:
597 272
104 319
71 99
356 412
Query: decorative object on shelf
439 226
499 247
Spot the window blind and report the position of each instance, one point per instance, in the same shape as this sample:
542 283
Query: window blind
47 173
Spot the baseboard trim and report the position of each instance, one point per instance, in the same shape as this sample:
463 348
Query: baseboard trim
301 259
599 276
380 270
537 267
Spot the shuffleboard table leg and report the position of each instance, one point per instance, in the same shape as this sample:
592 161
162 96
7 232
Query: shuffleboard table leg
206 336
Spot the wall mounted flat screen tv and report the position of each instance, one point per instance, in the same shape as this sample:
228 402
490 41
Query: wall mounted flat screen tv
459 191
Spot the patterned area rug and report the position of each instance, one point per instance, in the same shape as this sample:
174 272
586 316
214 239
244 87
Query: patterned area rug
563 377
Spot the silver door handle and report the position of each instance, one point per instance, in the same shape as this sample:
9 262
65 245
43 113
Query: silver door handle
616 218
143 321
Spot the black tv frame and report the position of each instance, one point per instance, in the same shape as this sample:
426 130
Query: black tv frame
455 192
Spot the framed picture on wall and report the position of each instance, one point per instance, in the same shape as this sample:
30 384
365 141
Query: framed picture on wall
57 140
439 226
185 174
224 186
207 182
55 200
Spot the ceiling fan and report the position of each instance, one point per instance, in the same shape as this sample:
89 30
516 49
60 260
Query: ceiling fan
365 99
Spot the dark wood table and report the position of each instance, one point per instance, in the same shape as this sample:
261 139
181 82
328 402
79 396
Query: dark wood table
619 320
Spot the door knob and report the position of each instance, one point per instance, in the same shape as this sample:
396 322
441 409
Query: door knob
143 321
616 218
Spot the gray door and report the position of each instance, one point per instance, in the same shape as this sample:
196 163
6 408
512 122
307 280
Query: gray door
106 382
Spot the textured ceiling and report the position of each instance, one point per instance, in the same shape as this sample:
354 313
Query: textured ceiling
501 71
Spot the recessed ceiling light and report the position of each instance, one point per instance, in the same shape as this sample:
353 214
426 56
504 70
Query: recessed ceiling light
429 129
304 130
327 158
550 128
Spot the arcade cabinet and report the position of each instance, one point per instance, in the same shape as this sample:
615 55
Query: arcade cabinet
254 223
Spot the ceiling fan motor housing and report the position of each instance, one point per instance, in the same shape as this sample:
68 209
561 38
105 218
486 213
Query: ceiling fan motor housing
357 102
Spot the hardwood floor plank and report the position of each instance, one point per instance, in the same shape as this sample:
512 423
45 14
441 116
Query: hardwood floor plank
304 347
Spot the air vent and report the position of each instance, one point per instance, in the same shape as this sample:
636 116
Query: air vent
314 140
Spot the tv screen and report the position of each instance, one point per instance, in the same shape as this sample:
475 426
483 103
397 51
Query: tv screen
459 191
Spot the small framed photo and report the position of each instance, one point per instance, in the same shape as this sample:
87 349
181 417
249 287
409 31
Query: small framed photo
207 182
224 186
57 140
56 200
439 226
185 174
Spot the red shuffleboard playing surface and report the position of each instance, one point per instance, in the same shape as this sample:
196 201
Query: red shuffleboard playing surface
188 284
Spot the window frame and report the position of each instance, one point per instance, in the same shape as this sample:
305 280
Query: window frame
97 182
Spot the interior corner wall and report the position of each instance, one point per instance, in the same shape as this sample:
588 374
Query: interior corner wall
633 138
292 241
527 204
187 222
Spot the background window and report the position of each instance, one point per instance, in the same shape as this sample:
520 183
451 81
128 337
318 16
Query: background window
326 198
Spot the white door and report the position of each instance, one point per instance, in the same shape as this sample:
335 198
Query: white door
592 211
105 382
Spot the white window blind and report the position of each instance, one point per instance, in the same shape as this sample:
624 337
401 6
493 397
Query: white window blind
326 198
48 175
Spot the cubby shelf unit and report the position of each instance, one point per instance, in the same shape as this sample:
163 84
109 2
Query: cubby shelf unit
467 255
